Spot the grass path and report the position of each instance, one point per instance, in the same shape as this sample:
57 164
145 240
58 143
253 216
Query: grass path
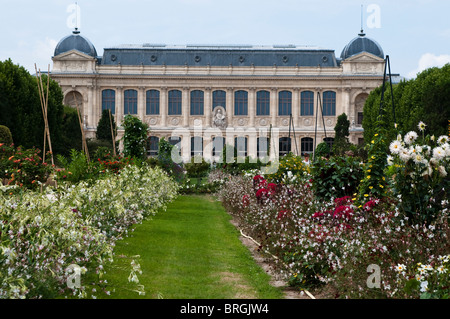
190 251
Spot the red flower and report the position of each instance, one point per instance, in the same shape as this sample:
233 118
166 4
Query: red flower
282 214
245 200
271 187
261 192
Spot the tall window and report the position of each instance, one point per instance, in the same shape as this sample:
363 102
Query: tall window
329 103
152 102
130 102
240 144
219 99
197 102
329 141
152 146
196 146
174 107
307 103
284 146
284 103
176 142
307 145
263 103
218 145
262 147
240 103
109 100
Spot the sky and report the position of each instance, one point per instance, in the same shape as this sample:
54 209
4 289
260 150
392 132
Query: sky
415 33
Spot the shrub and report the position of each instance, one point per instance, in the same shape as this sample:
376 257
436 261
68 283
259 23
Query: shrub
5 135
322 150
23 167
419 165
337 177
135 137
197 167
41 234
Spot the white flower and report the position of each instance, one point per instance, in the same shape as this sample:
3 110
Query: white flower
410 137
421 126
390 160
400 267
438 153
442 139
442 171
423 286
404 155
395 147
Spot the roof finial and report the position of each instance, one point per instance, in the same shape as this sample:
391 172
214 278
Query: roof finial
361 33
76 19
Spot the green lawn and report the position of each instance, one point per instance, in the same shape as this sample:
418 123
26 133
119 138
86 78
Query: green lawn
190 251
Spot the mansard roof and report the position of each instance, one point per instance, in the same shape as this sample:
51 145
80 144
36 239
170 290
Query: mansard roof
218 55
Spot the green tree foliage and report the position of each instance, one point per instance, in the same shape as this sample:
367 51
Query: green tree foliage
5 135
21 110
425 98
104 127
341 129
135 137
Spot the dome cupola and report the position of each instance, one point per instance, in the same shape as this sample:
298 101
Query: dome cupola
362 44
75 41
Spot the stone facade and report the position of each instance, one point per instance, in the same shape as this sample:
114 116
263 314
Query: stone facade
84 79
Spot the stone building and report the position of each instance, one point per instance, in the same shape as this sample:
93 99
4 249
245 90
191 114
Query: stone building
202 96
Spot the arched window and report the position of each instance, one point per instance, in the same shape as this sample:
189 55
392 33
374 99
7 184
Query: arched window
130 102
307 103
219 99
152 146
109 100
240 103
218 145
307 145
196 146
263 103
174 107
284 146
152 102
240 144
262 147
284 103
197 102
329 103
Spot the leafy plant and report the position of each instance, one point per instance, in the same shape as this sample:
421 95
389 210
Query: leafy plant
135 137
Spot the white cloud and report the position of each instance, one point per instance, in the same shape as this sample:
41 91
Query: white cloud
429 60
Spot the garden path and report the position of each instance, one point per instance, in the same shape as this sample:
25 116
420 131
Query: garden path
191 251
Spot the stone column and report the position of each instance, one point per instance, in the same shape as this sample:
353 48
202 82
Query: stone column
296 108
163 106
230 106
185 106
252 144
90 123
274 105
141 103
252 106
119 105
207 107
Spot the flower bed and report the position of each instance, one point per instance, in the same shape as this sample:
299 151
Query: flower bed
43 233
339 240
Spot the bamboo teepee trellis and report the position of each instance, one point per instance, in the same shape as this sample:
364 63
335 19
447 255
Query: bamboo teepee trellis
44 106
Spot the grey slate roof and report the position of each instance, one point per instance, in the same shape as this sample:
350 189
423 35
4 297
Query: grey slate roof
362 44
218 55
75 41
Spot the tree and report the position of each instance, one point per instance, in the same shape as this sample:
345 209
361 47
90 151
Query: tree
21 111
135 137
341 129
104 127
425 98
